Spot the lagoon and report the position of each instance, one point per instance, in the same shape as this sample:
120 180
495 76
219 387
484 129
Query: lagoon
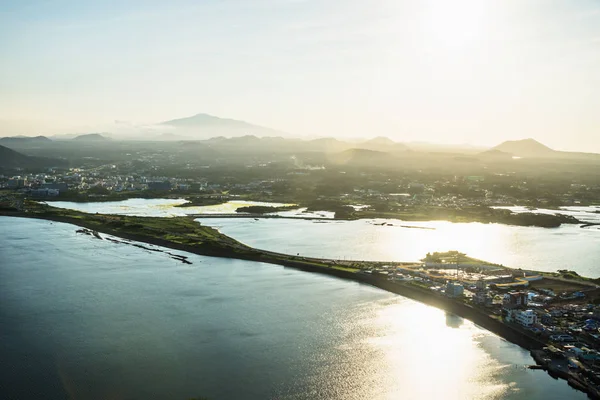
156 207
544 249
568 247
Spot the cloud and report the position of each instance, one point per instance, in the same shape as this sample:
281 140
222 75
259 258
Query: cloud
588 13
122 122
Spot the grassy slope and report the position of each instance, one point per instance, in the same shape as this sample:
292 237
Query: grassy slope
181 230
182 233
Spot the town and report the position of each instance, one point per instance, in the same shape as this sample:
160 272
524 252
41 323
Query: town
384 174
560 310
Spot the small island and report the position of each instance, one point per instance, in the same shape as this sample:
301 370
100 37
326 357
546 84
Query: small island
263 209
201 201
481 214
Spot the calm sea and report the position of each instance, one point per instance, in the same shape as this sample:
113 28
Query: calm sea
83 318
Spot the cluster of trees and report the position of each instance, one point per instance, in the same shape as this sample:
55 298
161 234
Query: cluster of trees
446 256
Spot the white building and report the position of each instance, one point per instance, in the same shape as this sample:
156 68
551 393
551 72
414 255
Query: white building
525 318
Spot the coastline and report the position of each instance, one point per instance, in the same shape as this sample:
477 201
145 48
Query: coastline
421 295
477 214
581 224
477 316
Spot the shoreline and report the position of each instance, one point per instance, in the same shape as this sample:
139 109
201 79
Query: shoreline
421 295
483 214
475 315
581 224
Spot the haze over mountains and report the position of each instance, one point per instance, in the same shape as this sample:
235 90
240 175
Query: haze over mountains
532 149
204 126
16 140
225 134
525 148
12 159
367 149
91 137
379 153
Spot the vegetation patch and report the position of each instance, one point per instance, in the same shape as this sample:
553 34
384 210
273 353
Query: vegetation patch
263 209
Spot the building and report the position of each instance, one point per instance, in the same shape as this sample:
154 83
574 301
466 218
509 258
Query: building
515 300
588 355
159 186
416 187
482 299
454 289
475 178
480 284
525 318
61 186
44 192
16 183
547 319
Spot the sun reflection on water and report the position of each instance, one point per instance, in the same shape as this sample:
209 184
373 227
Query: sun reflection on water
430 356
476 240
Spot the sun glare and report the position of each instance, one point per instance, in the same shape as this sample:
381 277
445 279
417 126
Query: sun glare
454 24
461 370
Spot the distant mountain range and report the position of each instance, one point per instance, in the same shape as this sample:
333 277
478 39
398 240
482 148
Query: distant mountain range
12 159
208 131
363 158
94 137
385 144
530 148
17 140
525 148
279 144
205 126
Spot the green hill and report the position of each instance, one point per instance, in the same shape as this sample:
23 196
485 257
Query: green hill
12 159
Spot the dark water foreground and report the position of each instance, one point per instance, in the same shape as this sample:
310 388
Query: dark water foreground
83 318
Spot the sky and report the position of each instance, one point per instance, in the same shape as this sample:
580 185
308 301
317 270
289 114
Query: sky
447 71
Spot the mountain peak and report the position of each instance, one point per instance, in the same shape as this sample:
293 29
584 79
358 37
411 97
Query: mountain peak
91 137
525 148
203 120
206 126
381 140
25 139
383 143
12 159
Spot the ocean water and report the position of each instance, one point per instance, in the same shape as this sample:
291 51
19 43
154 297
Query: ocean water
83 318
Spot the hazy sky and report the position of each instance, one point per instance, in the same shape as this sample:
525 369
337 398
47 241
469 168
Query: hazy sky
453 71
